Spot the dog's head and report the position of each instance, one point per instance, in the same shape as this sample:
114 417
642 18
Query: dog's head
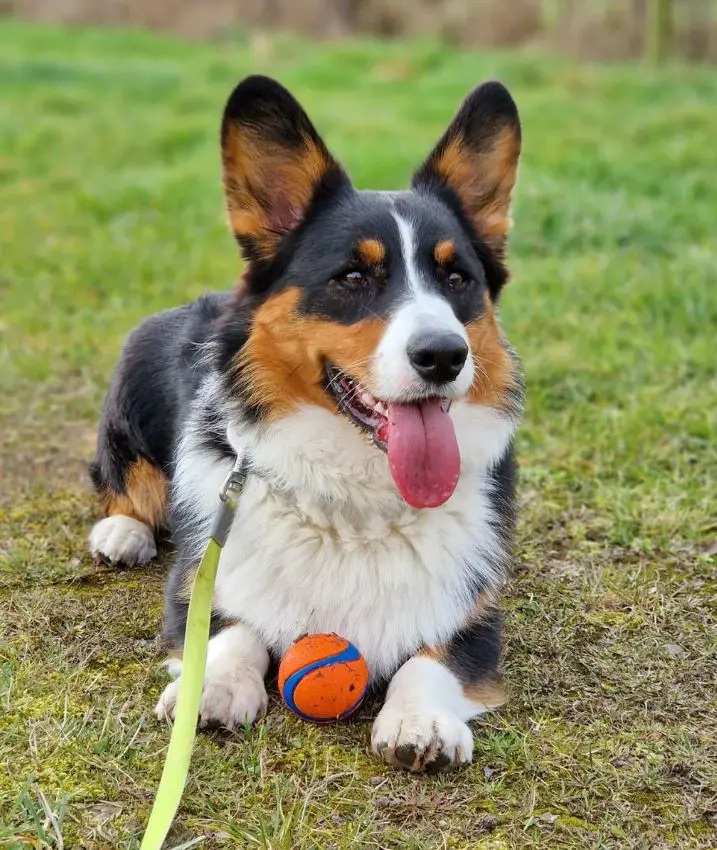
377 307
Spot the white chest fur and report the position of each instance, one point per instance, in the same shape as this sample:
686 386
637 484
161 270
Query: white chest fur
329 545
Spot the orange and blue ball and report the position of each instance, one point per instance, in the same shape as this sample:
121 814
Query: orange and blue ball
323 678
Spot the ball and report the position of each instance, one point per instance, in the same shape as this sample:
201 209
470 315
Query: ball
323 678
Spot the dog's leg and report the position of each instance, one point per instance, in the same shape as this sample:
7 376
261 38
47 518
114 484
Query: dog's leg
234 692
135 432
135 508
422 725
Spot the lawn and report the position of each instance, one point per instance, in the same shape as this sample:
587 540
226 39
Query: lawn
111 209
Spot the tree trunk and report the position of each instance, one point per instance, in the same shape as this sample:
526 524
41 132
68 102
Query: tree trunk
658 30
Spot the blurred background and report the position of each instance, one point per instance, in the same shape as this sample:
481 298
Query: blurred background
111 208
594 29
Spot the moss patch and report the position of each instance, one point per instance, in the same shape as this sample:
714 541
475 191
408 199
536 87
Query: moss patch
111 209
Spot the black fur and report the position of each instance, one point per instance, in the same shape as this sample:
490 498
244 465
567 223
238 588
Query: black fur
176 593
268 108
484 113
159 370
473 653
166 359
367 215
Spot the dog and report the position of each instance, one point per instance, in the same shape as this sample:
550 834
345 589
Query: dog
360 369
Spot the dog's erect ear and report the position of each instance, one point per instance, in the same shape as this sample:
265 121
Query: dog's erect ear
274 165
477 161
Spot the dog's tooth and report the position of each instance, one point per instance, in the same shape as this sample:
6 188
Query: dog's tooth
368 399
380 407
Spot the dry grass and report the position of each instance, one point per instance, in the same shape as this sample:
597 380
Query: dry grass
111 209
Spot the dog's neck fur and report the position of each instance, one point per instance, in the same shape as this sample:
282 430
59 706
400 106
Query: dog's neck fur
321 466
323 512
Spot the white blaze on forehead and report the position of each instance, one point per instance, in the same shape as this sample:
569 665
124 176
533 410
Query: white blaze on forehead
421 311
407 233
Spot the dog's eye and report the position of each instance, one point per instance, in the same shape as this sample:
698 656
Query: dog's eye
354 280
456 280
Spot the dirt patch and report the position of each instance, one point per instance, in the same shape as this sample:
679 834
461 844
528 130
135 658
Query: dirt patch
40 443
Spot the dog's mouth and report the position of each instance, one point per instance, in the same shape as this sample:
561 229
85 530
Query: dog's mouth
418 437
356 402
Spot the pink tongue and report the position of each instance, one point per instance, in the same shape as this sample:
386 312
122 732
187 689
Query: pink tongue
423 453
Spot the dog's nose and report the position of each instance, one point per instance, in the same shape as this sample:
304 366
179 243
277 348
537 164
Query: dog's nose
437 357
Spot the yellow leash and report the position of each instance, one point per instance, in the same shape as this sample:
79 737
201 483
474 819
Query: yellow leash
194 660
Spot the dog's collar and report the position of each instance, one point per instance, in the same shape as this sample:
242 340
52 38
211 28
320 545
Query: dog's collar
229 495
236 479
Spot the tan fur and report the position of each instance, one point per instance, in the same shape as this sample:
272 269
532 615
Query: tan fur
144 498
444 252
437 653
484 606
483 181
489 693
268 186
495 371
371 251
283 359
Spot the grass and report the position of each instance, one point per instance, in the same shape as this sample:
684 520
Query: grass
112 209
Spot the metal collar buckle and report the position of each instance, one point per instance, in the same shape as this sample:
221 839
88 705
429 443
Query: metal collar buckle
235 481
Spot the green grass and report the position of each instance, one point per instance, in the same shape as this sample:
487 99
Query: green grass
111 209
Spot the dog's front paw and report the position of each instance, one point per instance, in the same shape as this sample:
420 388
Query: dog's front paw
430 740
233 701
167 703
228 702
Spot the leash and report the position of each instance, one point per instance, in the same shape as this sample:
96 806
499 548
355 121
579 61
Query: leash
194 660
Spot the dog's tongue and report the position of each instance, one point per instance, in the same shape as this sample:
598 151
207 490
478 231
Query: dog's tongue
423 453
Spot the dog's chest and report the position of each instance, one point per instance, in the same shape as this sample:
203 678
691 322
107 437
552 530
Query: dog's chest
389 584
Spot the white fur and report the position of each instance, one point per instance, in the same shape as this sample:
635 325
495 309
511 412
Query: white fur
424 715
392 376
121 539
234 692
406 232
323 542
198 478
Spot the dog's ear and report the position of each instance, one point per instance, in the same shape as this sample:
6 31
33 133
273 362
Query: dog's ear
274 164
476 161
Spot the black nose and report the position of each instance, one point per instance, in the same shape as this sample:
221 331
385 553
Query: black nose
437 357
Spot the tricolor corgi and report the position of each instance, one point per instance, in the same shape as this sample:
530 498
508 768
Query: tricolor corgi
360 369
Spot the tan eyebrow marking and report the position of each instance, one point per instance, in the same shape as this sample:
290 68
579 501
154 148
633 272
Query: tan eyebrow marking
371 251
445 251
